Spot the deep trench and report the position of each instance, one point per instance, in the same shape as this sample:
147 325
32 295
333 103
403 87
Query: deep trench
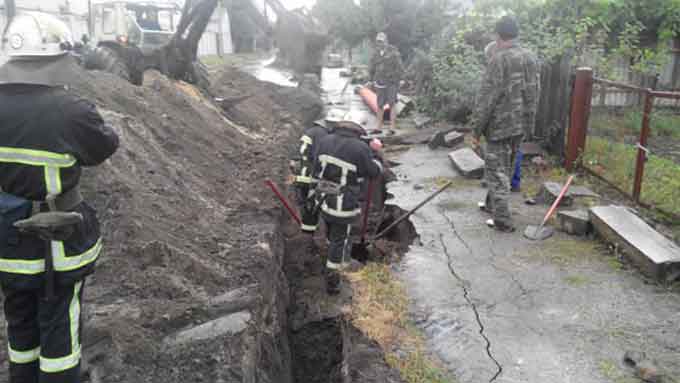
323 345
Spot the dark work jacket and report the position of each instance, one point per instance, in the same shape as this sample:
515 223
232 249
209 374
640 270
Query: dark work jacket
49 124
308 142
343 158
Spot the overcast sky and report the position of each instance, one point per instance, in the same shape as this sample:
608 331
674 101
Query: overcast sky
291 4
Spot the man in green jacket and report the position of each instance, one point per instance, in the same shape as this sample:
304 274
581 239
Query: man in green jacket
506 110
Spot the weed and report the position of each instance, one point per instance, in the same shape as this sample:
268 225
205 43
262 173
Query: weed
458 182
613 373
616 162
577 280
381 311
565 251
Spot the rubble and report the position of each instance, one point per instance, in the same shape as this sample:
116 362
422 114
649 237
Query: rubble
467 162
575 222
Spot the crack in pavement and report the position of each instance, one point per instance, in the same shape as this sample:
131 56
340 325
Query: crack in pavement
466 293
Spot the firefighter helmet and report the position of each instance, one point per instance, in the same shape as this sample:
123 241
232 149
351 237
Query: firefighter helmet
35 50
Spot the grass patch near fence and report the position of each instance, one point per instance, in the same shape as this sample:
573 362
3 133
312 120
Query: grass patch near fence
616 163
380 310
662 124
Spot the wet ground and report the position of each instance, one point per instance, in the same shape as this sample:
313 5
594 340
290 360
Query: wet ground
497 307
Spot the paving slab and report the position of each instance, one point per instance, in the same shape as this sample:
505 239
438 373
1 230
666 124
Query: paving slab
454 139
468 163
574 222
655 254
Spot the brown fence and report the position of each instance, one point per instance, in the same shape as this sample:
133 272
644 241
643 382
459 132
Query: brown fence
553 115
632 143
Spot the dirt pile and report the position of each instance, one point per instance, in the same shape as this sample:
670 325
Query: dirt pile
190 287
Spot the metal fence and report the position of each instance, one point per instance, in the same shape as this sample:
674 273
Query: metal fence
628 136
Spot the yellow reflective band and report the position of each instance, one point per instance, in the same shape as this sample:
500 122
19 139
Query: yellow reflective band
52 180
74 316
308 227
303 180
68 362
333 266
24 267
23 357
62 262
53 365
340 213
306 139
36 157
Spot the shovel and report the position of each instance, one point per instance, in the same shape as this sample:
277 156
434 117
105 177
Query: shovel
283 201
540 232
363 247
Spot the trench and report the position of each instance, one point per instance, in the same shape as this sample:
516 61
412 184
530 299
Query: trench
325 346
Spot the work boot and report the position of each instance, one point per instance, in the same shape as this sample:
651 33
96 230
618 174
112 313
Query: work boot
482 206
500 226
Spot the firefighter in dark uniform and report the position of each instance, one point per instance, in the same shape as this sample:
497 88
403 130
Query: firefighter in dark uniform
46 136
341 161
304 181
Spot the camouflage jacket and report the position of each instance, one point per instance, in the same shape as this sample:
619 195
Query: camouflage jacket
386 68
509 96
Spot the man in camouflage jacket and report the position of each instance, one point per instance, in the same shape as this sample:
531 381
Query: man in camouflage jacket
385 71
505 114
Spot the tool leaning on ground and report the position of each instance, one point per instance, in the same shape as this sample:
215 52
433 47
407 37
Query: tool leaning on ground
540 232
364 245
283 200
50 226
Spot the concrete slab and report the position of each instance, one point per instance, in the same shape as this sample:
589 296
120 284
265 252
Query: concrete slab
574 222
230 324
422 122
655 254
550 191
468 163
454 139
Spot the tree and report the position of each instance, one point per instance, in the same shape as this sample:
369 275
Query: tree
344 20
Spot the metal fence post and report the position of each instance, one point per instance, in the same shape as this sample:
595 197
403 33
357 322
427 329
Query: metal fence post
642 146
580 112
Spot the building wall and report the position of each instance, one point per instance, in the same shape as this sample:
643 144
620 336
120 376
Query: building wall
73 13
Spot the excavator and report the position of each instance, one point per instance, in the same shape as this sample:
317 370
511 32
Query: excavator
173 54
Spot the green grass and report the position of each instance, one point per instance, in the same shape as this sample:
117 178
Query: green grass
616 163
662 124
380 310
577 280
614 374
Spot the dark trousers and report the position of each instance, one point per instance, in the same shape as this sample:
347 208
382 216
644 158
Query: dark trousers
44 336
308 210
340 244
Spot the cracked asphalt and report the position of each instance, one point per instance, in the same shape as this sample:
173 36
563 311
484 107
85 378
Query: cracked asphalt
496 307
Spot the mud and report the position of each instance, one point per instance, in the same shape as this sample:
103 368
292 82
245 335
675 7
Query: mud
496 307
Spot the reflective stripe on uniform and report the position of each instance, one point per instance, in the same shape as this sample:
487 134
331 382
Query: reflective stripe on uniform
306 142
333 266
23 357
52 180
340 213
308 227
379 165
62 262
54 365
36 157
303 180
325 158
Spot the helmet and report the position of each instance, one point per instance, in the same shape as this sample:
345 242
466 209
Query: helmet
34 35
35 49
334 116
349 122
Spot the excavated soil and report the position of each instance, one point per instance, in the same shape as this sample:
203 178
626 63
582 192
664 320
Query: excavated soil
191 233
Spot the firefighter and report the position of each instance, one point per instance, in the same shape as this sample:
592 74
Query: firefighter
342 160
46 135
304 181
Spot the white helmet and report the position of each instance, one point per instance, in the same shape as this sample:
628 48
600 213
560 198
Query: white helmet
34 35
334 116
35 49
